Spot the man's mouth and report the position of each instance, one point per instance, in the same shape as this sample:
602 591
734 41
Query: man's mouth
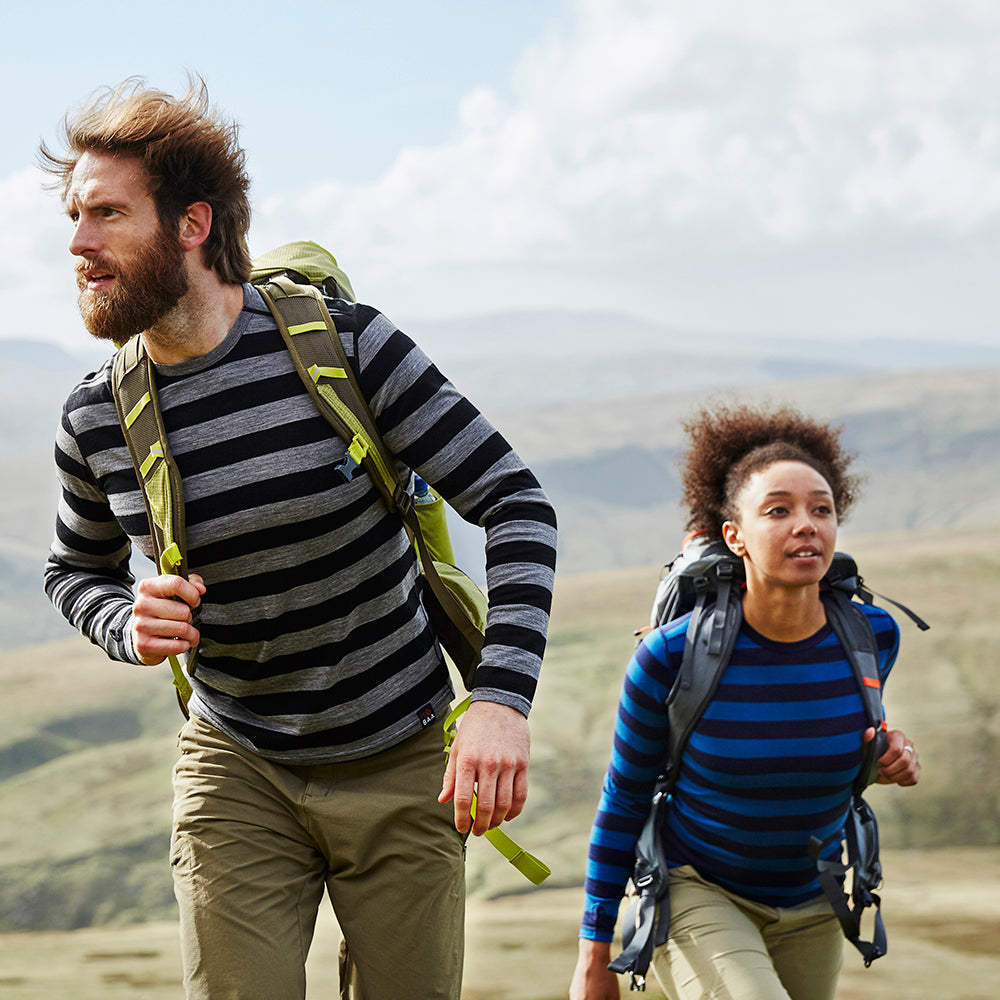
805 554
94 277
98 279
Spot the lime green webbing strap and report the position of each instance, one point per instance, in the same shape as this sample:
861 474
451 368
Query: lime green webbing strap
535 871
181 682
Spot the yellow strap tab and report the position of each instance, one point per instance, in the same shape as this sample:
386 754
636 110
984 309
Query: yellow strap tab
310 327
155 452
318 371
171 558
450 729
535 871
133 414
358 448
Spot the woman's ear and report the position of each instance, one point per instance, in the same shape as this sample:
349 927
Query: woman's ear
733 538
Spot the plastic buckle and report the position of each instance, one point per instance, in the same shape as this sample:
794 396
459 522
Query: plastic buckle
347 467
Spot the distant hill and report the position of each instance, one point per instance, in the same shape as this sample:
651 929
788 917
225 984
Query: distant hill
604 445
530 358
926 440
86 745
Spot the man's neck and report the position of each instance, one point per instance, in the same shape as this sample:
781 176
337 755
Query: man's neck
197 325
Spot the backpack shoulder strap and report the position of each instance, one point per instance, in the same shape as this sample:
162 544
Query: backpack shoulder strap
711 635
854 631
309 332
860 832
134 389
311 336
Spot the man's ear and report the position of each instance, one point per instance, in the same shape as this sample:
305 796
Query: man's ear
195 225
733 538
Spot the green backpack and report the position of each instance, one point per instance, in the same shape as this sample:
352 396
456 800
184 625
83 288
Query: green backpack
289 279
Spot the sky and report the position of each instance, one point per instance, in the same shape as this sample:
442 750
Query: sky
788 168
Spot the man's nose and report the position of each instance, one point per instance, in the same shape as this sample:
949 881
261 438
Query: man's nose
85 240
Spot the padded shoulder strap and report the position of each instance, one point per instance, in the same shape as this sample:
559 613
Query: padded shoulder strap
309 331
855 634
134 389
711 635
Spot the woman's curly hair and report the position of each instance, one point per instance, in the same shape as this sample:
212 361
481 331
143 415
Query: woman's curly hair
730 443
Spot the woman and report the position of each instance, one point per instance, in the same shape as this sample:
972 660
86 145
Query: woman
774 757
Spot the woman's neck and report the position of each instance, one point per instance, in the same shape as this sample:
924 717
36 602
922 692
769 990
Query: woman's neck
784 614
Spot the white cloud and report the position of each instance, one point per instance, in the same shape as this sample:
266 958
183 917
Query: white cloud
37 291
766 121
653 141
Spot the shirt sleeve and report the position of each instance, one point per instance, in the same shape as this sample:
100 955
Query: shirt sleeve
637 758
438 433
87 574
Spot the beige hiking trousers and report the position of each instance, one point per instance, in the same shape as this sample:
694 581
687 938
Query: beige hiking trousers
256 844
725 947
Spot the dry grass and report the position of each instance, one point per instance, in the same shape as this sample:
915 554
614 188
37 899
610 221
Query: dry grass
942 911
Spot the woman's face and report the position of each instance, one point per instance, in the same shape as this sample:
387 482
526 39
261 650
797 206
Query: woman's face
786 525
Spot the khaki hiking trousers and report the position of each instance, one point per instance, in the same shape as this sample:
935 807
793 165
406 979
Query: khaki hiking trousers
725 947
256 844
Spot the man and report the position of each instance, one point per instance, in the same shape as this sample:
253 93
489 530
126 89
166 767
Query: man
310 759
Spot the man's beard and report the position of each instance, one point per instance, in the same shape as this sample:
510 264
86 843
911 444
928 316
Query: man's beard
146 287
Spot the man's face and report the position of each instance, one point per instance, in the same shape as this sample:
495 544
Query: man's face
131 272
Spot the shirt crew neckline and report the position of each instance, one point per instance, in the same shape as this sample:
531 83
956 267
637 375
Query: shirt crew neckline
799 644
218 352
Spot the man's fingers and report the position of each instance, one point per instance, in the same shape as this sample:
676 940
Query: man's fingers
162 617
464 794
489 758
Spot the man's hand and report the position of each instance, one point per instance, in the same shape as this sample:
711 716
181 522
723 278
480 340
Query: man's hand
161 617
489 756
899 765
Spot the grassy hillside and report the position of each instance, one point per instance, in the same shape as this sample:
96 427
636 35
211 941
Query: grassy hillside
86 745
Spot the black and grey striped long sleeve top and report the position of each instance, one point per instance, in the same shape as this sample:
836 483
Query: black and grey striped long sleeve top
315 644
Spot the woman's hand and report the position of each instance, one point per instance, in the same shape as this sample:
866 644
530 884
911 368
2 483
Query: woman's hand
900 764
592 979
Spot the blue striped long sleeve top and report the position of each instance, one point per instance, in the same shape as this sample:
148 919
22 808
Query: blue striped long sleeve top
770 764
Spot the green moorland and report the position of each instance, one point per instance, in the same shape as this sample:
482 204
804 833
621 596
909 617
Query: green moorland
86 748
